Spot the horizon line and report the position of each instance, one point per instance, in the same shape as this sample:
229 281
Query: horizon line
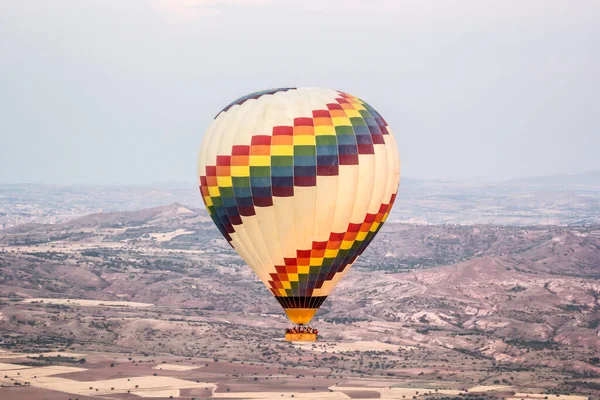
178 182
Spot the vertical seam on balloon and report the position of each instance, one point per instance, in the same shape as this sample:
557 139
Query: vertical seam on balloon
296 303
253 240
330 268
379 201
397 166
259 237
240 230
214 138
286 302
272 210
393 189
290 301
242 111
343 259
337 192
391 184
382 199
353 204
314 208
351 255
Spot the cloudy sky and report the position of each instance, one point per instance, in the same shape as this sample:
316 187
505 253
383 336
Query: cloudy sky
120 91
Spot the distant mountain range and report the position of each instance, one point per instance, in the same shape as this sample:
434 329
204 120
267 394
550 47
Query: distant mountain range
589 178
547 200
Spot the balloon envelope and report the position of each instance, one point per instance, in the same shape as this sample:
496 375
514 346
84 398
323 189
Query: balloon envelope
299 181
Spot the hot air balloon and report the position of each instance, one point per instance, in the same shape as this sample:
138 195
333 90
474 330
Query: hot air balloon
299 181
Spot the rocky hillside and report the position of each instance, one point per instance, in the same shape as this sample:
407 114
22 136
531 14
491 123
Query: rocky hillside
521 295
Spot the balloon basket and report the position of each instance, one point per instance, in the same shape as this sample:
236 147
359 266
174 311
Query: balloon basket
301 337
301 333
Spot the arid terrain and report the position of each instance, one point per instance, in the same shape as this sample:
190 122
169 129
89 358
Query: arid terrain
154 303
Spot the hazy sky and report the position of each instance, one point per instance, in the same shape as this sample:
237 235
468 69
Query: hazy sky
121 91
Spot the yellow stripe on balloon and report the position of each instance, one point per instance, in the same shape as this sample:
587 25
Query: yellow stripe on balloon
224 181
303 269
352 113
283 150
316 262
361 236
240 171
214 191
324 130
341 121
331 253
346 244
304 140
260 161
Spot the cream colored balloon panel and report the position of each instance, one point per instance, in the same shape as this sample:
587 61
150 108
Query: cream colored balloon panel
309 190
